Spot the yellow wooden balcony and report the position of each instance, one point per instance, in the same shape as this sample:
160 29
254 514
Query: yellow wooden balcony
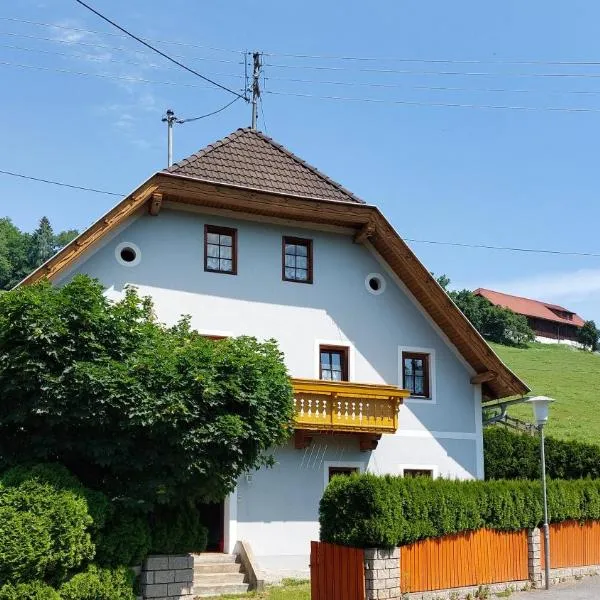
347 407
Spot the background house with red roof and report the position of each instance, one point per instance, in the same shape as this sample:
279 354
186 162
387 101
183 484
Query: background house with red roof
550 322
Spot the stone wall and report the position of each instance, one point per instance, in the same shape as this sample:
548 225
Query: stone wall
168 577
382 573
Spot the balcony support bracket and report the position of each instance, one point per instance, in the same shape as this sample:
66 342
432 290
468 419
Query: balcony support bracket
369 441
302 438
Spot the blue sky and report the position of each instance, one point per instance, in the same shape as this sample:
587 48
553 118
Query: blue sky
509 177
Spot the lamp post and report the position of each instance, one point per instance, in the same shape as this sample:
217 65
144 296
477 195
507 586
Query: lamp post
541 405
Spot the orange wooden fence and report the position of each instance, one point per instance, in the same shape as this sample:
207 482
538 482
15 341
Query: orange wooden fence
336 572
472 558
573 544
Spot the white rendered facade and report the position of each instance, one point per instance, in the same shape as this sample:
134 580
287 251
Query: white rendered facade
276 509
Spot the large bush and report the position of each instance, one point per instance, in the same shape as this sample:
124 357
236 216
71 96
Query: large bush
178 530
369 511
99 584
512 455
135 409
28 591
44 532
125 539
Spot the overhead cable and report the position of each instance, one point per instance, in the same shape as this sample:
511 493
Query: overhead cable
210 114
453 73
418 241
119 35
439 104
160 52
108 76
102 59
60 183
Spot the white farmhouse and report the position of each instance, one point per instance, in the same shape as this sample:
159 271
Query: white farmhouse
389 376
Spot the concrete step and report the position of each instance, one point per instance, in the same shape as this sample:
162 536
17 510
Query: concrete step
229 567
219 589
213 557
210 578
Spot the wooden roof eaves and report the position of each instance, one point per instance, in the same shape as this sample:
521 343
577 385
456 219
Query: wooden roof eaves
385 239
68 255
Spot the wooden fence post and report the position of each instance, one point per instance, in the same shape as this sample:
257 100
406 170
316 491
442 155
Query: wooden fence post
534 547
382 573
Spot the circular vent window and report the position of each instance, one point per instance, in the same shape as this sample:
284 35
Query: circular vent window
375 283
128 254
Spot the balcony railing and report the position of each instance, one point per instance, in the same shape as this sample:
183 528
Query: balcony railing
344 406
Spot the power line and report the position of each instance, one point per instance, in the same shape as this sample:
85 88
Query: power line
418 241
114 48
455 73
210 114
107 76
438 104
60 183
450 61
154 49
430 88
505 248
101 59
119 35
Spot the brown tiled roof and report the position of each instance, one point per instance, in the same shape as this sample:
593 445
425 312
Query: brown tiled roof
529 307
249 159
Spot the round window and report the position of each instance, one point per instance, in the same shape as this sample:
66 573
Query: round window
128 254
375 283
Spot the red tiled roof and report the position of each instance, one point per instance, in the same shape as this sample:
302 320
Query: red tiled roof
249 159
530 308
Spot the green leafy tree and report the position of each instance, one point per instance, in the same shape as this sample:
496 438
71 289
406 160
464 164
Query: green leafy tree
139 410
588 336
495 323
21 252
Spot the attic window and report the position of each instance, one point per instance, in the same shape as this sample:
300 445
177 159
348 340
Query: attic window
297 260
128 254
220 249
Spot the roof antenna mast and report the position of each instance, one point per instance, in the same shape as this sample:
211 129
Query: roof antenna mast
169 119
255 87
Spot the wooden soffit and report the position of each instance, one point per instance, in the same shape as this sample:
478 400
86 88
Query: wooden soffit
368 222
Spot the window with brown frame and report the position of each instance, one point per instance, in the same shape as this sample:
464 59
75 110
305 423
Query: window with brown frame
347 471
297 260
220 249
415 371
417 473
333 363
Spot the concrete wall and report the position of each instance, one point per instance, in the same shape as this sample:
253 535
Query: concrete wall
276 509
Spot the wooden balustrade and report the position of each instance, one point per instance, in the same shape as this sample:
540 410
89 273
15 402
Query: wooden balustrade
344 406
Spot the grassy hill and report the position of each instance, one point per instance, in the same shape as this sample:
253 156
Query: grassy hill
570 376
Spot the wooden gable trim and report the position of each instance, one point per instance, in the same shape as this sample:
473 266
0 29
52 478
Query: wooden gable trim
112 219
366 220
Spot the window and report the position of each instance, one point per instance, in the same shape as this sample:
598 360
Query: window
418 473
220 249
333 362
297 260
347 471
415 369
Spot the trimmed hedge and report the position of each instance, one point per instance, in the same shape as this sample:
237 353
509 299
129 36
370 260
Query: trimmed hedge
512 455
99 584
44 532
371 511
28 591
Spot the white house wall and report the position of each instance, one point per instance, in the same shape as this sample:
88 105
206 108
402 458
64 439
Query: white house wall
336 308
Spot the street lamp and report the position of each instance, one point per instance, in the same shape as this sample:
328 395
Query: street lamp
541 405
